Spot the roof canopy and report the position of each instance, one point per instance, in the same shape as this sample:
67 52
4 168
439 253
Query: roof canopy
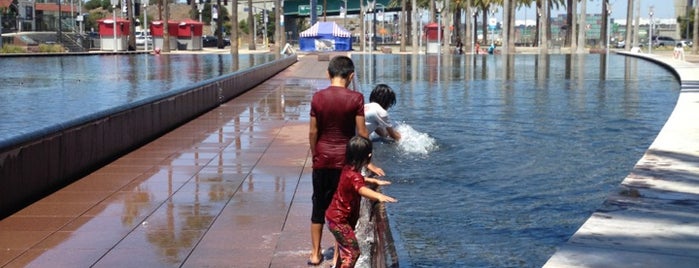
322 28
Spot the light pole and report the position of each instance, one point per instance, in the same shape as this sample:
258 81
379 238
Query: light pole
474 34
538 32
419 17
344 16
145 23
609 15
114 24
370 8
492 35
363 34
200 8
650 30
439 4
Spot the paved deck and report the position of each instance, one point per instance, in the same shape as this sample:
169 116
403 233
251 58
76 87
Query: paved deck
232 189
229 189
652 220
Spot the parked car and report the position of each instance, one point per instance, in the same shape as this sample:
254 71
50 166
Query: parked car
686 43
664 41
622 44
142 39
212 41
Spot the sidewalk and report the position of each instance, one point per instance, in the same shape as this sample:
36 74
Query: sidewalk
652 220
230 188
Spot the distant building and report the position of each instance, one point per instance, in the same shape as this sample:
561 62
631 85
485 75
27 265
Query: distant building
40 15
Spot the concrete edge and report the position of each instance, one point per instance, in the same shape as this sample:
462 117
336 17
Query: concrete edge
646 221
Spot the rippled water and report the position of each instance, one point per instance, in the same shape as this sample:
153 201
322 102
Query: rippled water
40 92
524 150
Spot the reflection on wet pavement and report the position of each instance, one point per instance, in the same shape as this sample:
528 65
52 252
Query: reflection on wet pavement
221 184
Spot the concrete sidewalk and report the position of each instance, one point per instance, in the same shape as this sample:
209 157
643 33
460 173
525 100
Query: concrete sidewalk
652 220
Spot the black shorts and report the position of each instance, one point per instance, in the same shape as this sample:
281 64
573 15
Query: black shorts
324 185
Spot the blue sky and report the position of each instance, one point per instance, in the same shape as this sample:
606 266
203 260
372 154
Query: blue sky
663 9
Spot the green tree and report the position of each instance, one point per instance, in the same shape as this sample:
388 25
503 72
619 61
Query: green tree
686 22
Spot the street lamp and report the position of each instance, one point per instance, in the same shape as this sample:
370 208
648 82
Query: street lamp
439 4
650 30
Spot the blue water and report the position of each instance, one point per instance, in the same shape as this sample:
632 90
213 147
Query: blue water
497 170
39 92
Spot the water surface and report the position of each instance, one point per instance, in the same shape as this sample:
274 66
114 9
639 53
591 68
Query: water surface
41 92
525 149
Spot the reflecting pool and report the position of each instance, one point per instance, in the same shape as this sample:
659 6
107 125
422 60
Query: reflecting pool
525 148
40 92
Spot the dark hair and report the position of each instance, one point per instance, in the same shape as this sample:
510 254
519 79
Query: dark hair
341 66
358 152
383 95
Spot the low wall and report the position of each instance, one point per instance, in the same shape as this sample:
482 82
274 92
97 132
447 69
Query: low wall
374 236
36 164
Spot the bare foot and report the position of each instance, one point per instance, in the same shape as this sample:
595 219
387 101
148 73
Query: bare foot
315 261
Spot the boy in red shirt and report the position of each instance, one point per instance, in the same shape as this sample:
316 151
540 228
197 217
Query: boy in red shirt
343 212
337 114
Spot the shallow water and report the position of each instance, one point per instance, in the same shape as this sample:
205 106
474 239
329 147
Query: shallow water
39 92
507 158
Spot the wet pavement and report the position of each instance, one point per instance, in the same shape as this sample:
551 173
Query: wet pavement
231 188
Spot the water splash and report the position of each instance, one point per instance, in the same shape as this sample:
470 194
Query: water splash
415 142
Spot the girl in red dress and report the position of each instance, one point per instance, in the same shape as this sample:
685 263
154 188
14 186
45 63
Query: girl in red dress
343 212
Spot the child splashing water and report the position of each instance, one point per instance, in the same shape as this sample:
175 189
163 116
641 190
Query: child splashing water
343 212
415 142
378 124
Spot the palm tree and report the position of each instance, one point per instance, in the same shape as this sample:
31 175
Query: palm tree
403 28
573 25
234 30
629 19
695 47
583 25
166 27
251 26
484 6
605 19
508 45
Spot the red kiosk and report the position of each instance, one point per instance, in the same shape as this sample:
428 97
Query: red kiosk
157 29
432 37
108 40
189 34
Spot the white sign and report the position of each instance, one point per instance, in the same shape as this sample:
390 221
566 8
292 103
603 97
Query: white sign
492 22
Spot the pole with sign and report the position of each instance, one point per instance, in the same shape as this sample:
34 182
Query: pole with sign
492 23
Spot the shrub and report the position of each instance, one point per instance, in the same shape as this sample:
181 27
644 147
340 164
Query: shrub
12 49
51 48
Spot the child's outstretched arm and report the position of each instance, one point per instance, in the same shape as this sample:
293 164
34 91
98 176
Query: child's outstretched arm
376 196
376 181
376 170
